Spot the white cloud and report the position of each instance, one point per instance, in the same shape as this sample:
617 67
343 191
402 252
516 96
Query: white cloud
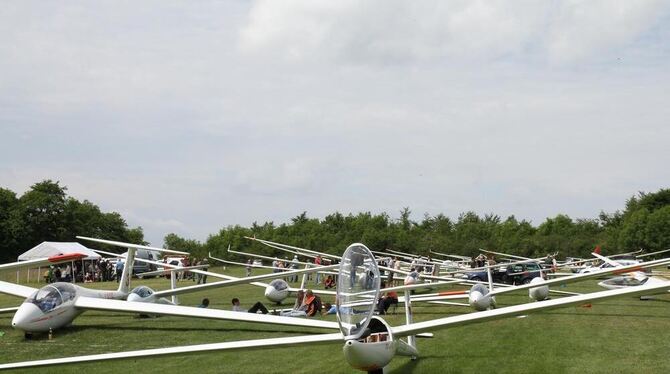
584 29
391 31
190 117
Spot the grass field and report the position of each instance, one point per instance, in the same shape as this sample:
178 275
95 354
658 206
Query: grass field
617 336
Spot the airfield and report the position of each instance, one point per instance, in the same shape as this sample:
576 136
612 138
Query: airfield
622 335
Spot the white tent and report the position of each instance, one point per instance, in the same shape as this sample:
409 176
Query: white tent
48 249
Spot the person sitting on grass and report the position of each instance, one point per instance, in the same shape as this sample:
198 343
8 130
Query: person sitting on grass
313 303
329 282
391 297
254 309
329 308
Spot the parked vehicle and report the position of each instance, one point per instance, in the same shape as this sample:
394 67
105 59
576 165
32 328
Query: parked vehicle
513 274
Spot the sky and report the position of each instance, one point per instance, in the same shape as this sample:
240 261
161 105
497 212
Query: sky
187 117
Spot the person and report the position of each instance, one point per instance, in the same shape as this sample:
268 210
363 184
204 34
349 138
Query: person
357 259
189 274
57 274
103 270
412 277
275 265
248 267
294 266
203 277
119 270
50 275
329 308
481 260
67 274
369 279
313 303
198 276
396 266
254 309
390 298
419 265
204 303
317 262
329 282
390 275
75 273
107 271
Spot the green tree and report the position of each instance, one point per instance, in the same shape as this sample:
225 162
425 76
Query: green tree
8 241
41 212
657 233
46 213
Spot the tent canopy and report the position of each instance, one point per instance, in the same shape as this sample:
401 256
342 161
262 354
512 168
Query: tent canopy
48 249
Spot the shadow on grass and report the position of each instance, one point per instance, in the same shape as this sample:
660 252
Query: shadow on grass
410 365
407 367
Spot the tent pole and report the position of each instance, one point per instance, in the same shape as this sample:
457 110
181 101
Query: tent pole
39 274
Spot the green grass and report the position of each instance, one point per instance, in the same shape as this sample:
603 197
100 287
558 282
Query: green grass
617 336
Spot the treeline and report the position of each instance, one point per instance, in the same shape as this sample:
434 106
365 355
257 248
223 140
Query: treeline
47 213
644 223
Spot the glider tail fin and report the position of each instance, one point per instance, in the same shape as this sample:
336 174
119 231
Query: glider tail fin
124 283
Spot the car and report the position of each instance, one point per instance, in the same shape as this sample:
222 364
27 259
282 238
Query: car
143 267
521 273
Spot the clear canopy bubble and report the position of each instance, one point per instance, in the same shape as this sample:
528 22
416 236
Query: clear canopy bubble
49 297
357 290
142 291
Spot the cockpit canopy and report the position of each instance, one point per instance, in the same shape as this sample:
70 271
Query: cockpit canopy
279 284
49 297
625 281
142 291
357 290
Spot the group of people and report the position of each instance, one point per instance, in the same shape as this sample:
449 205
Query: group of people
481 260
199 278
279 265
307 305
102 270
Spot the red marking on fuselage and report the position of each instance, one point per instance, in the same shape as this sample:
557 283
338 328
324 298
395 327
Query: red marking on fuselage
448 293
631 270
49 315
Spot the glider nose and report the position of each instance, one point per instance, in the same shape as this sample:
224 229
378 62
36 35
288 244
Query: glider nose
25 316
270 293
478 301
275 295
135 297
